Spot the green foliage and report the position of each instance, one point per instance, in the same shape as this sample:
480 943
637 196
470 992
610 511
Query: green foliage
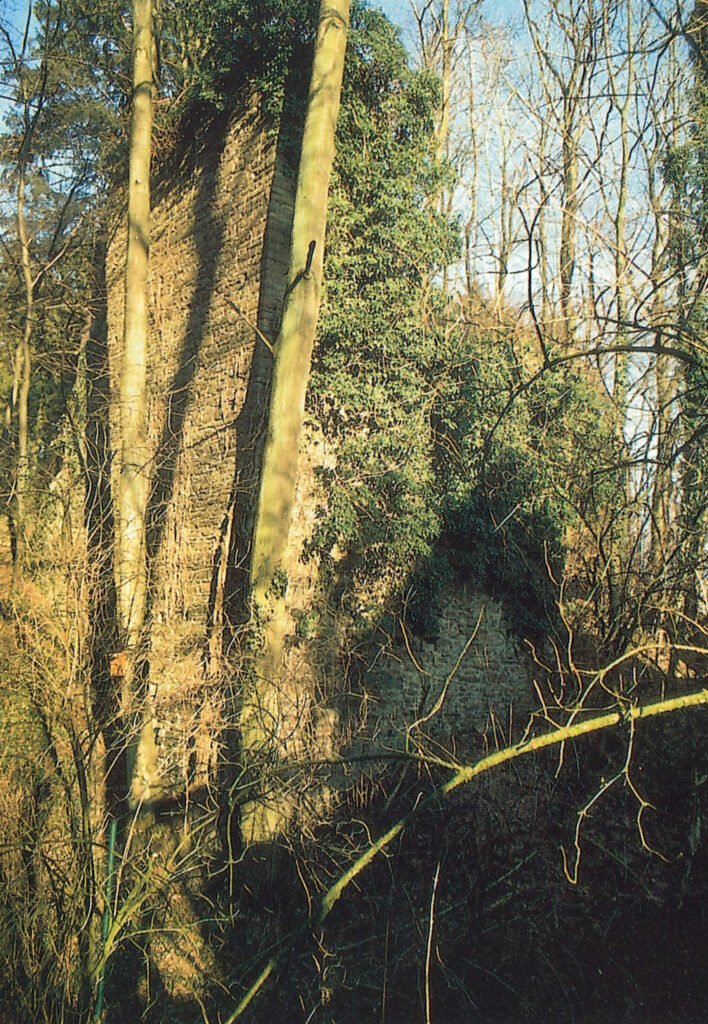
75 72
516 475
372 382
58 133
206 56
223 46
438 473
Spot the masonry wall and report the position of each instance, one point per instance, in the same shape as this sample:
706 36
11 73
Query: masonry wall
220 234
474 682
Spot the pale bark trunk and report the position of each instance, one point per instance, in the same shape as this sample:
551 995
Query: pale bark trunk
443 128
661 493
20 391
472 223
293 351
568 226
542 241
619 392
446 45
620 384
133 483
504 231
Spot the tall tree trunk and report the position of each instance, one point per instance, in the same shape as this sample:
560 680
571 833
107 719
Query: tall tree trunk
568 225
133 482
472 222
32 106
666 378
542 218
291 369
504 231
443 128
621 96
619 390
661 494
446 45
21 387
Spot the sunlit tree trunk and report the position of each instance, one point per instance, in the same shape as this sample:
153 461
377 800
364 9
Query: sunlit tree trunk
133 482
542 233
293 351
664 380
569 63
661 494
443 127
21 388
446 44
441 27
471 228
621 94
504 242
569 215
32 104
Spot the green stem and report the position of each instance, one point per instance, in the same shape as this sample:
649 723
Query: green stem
107 914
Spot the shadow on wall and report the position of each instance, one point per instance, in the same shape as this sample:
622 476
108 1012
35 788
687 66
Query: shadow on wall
209 241
230 578
209 407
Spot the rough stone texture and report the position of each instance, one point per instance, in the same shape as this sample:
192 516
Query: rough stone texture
475 679
220 238
213 281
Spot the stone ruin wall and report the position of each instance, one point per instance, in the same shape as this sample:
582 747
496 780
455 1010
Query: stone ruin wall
207 261
212 281
473 684
218 266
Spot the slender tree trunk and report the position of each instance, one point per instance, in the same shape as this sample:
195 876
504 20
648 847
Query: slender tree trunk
446 45
542 217
133 482
472 223
568 228
293 351
619 392
661 491
20 390
620 99
665 377
620 384
443 128
504 231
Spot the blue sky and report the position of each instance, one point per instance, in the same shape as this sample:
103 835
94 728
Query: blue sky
399 11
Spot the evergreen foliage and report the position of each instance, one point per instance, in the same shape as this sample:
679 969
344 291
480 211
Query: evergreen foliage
438 473
373 386
219 47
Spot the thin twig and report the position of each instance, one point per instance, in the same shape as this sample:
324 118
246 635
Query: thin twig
430 944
